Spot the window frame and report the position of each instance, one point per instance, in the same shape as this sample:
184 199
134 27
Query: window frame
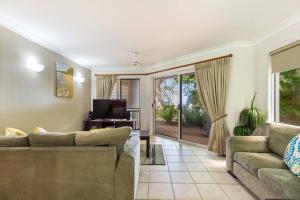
275 99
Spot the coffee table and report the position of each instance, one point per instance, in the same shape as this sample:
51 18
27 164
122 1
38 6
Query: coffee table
144 135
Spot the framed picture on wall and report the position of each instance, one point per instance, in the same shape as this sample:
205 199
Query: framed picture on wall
64 80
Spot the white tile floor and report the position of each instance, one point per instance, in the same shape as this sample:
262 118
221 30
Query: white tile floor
191 173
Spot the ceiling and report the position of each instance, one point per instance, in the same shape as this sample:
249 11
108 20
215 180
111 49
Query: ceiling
103 33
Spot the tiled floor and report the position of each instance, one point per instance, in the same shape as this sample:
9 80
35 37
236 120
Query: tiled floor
191 173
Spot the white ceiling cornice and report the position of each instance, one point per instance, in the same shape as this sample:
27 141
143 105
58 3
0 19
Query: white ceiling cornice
32 37
280 28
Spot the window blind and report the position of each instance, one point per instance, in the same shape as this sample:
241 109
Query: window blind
286 58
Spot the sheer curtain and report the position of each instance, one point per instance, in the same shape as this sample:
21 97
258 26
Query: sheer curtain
104 86
212 79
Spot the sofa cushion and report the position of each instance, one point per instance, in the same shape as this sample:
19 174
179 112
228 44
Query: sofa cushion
281 181
51 139
292 155
115 136
254 161
13 141
279 137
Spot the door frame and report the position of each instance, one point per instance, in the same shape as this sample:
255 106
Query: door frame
179 75
180 117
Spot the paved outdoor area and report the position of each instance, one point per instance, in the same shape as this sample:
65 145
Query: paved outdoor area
192 134
191 173
195 134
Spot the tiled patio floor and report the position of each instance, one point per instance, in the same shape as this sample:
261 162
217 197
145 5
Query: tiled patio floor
191 173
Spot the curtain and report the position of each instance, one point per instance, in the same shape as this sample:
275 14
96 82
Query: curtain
104 86
212 81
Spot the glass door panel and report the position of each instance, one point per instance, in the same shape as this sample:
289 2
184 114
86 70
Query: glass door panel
167 99
195 123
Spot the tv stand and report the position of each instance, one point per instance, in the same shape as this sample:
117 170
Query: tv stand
103 123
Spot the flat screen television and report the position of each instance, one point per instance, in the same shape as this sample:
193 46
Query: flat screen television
109 108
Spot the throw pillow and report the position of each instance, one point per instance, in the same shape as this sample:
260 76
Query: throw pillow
292 155
14 132
39 130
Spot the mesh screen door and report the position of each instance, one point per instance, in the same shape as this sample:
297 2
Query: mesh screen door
130 90
167 101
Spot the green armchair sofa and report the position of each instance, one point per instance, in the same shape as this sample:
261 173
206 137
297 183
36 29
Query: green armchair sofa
257 161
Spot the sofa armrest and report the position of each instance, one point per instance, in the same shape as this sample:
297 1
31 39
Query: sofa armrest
256 144
128 170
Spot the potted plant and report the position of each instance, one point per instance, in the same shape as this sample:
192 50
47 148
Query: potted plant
250 119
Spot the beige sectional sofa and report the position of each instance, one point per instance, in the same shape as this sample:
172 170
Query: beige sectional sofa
70 172
257 161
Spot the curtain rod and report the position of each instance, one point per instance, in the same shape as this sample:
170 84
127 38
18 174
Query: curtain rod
163 70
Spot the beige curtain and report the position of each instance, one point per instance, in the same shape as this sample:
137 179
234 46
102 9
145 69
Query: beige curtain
212 80
104 86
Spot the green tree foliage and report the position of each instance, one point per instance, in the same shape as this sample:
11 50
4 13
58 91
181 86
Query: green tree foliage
189 89
195 114
289 91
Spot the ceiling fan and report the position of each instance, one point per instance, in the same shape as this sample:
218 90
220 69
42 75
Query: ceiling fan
135 61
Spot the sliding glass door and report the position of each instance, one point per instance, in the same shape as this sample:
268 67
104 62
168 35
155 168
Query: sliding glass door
178 111
195 123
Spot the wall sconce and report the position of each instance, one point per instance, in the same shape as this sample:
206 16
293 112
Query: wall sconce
35 66
79 79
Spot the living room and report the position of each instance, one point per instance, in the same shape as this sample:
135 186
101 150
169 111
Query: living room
149 100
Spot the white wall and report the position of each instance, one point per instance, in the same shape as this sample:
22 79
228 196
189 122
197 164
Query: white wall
28 98
262 62
241 86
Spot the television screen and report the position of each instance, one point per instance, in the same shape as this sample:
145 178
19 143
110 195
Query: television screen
107 108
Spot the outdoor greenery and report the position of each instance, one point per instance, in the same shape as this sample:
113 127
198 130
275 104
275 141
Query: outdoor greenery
167 113
192 110
195 116
189 89
250 119
290 94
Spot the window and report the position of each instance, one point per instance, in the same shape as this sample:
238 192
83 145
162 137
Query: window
286 96
285 63
130 90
